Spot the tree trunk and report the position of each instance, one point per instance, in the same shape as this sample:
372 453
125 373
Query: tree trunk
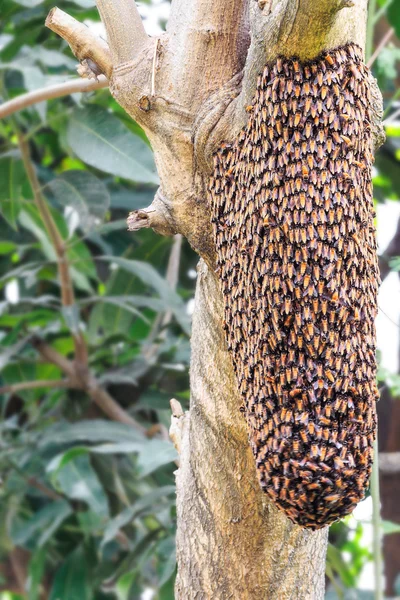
188 89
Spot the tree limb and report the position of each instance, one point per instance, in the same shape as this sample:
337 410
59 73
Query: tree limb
217 36
158 216
33 385
125 31
55 91
386 38
84 43
67 290
85 381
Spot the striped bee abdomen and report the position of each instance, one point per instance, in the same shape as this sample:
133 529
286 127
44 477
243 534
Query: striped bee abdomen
293 219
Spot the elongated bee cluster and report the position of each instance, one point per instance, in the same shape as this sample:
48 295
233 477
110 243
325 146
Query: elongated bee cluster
292 213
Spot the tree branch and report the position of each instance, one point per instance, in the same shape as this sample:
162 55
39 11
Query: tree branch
84 43
125 31
54 91
158 216
83 380
107 404
34 385
67 290
386 38
217 36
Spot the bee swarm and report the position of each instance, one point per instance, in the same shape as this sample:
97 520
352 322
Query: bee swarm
292 214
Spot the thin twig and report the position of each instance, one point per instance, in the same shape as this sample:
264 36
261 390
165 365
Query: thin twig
33 482
34 385
386 38
108 405
392 118
54 91
67 291
52 356
86 382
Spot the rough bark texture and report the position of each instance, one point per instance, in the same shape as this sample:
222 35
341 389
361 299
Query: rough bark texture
188 90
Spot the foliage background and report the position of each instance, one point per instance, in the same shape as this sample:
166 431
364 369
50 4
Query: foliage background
87 502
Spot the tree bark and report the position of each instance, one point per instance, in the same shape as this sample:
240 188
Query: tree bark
188 89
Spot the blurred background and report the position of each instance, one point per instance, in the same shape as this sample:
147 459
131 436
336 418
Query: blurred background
87 487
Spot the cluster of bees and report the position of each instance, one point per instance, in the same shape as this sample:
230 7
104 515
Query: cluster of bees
293 220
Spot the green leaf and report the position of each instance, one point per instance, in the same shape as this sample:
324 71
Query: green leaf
81 261
12 176
336 561
155 454
36 571
7 247
389 527
149 501
166 549
29 3
84 3
78 480
393 15
95 430
72 580
148 274
83 192
101 140
42 524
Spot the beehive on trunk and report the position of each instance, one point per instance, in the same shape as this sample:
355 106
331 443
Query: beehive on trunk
293 219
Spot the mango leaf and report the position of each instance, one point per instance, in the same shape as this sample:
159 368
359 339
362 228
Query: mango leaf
393 15
131 512
71 581
148 274
166 551
81 261
84 3
101 140
155 454
12 176
95 430
78 480
336 561
7 247
42 524
389 527
85 193
36 571
152 454
29 3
